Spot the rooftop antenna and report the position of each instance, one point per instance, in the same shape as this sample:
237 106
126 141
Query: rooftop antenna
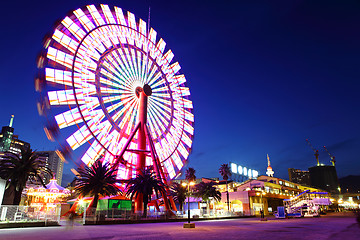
147 52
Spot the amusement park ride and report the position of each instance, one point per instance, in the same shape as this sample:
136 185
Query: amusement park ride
124 95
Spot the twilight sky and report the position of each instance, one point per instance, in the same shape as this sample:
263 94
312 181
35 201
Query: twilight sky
263 77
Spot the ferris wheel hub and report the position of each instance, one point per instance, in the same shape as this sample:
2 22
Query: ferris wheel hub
146 89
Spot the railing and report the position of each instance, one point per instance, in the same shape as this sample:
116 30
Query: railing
11 213
115 214
96 215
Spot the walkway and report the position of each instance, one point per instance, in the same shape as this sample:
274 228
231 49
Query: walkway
332 226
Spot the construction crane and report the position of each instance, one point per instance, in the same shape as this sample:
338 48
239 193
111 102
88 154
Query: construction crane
331 156
316 152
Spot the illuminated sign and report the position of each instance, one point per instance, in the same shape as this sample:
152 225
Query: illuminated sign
244 171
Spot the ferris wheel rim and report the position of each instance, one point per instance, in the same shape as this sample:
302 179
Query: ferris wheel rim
160 134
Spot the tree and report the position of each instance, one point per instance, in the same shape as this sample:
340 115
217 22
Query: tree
179 193
206 190
99 179
190 174
145 183
18 169
225 172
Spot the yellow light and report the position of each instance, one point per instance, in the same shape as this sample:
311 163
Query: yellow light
257 194
81 202
192 183
184 184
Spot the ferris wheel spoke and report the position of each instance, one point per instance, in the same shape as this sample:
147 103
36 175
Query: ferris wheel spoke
122 73
96 42
161 122
65 97
84 20
108 15
158 82
155 125
67 42
73 28
58 76
160 89
106 38
153 131
111 83
163 110
124 56
134 63
166 104
188 128
118 63
60 57
183 150
114 107
139 66
130 110
154 69
68 118
115 68
109 76
93 153
79 137
118 114
130 61
177 80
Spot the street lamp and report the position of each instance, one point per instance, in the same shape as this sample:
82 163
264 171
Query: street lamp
262 207
190 183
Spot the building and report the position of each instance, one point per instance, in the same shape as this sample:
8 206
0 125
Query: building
264 193
325 177
299 176
54 163
10 142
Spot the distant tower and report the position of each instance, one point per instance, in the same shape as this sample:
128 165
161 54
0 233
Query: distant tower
269 170
6 136
11 121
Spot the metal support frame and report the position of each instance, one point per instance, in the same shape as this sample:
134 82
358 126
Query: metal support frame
143 137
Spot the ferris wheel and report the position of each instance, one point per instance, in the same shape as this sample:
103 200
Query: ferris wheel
108 81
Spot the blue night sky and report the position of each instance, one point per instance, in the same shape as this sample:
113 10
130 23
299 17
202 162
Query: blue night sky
264 76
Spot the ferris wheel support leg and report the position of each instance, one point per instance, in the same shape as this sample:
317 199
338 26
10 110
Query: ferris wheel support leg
141 142
160 175
119 157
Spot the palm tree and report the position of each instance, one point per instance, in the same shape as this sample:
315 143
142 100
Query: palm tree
18 169
190 174
225 172
206 190
99 179
179 193
145 183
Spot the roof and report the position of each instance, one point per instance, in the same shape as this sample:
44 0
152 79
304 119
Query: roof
54 185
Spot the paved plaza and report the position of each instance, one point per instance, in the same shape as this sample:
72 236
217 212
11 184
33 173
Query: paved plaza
332 226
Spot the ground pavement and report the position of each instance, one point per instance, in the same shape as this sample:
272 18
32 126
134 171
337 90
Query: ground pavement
332 226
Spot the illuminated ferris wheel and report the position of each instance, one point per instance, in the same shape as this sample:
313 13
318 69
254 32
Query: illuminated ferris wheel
111 82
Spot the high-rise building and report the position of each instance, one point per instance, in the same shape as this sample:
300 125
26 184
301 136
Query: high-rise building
325 177
10 142
299 176
54 163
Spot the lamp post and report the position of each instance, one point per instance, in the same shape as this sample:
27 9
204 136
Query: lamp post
262 207
188 225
